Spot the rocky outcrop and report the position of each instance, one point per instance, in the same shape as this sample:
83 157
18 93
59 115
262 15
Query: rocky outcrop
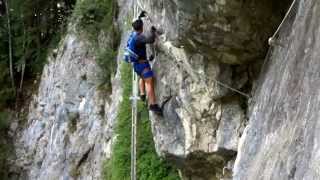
208 48
281 140
205 44
69 130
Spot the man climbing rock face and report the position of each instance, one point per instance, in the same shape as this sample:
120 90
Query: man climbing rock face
138 56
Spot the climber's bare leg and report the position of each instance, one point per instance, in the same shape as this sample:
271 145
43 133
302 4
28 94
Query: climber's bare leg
150 90
142 87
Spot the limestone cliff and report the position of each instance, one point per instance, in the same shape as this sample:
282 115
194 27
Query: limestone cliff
69 130
208 131
205 44
281 140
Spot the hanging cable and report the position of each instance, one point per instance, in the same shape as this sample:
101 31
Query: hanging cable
134 98
272 40
134 115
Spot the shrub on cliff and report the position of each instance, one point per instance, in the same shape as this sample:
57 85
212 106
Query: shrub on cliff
95 19
94 16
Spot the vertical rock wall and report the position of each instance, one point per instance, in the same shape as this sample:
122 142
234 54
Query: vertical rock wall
281 140
69 130
205 43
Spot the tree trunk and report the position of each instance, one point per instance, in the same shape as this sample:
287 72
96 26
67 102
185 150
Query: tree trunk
10 46
2 8
23 65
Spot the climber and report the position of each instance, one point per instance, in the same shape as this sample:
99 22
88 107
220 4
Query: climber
136 53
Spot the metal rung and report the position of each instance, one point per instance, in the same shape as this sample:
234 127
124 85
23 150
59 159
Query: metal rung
134 98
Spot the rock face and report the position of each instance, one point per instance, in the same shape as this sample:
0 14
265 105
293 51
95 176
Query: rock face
282 138
69 128
208 50
206 47
231 32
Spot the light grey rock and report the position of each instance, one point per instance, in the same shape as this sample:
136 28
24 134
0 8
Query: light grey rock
229 129
232 32
205 43
70 124
282 138
69 130
202 120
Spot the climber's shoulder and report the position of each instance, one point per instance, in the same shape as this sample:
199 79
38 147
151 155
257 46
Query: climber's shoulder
146 38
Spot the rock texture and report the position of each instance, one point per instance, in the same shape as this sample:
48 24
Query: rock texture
205 43
206 47
282 138
69 130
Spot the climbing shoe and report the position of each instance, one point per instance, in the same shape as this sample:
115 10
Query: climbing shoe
143 97
156 109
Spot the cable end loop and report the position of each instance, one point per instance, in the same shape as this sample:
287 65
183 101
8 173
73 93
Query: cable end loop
273 42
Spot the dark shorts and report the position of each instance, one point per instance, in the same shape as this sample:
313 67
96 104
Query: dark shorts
143 70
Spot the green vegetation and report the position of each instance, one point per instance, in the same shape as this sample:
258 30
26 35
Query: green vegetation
107 61
96 18
29 30
119 166
150 166
73 119
5 145
74 172
36 27
6 92
4 123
